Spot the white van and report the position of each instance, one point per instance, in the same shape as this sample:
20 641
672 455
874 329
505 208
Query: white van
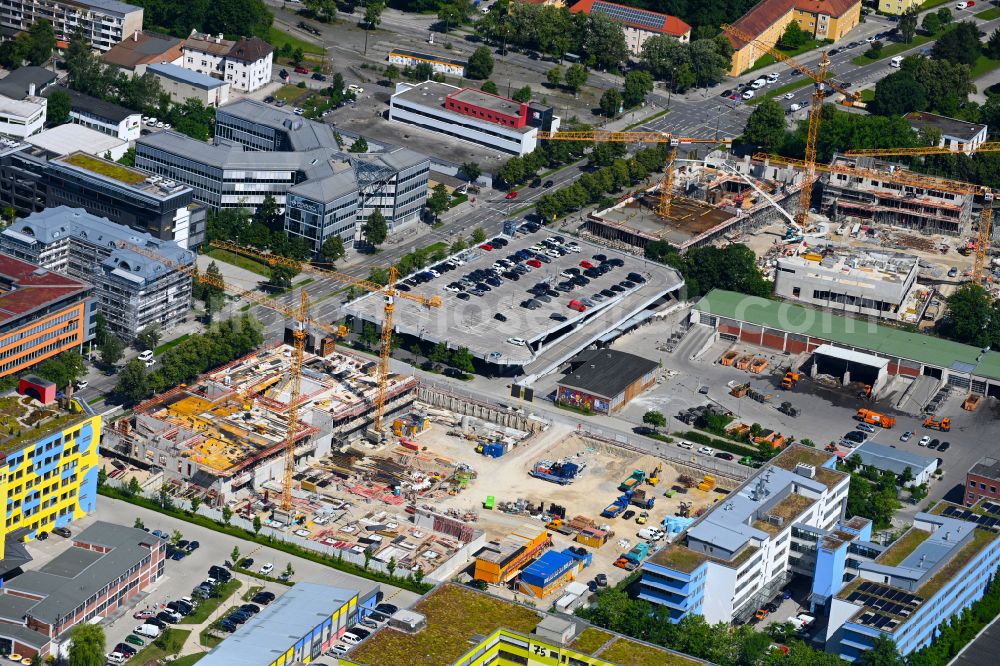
758 84
650 534
147 630
896 62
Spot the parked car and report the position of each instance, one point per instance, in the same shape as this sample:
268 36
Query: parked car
267 568
511 195
301 70
924 441
944 446
905 437
62 531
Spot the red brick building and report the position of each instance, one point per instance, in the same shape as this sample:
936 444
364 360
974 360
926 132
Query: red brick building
983 481
105 566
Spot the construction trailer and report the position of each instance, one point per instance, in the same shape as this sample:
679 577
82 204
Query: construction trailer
593 537
553 570
501 561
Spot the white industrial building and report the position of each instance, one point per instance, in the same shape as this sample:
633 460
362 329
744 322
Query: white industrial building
891 459
877 284
20 118
487 120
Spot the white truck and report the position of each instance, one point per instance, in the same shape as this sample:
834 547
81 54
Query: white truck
803 621
147 630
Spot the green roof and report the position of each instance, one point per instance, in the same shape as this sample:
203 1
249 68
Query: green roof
859 333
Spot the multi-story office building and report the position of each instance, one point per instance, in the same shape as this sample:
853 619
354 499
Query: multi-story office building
44 314
260 151
472 115
934 571
743 551
106 566
133 291
104 22
30 182
878 284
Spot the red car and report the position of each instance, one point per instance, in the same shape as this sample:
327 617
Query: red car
301 70
511 195
534 263
586 264
486 246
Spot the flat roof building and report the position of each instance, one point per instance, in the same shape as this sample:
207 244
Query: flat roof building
106 565
891 459
605 380
133 291
27 81
879 284
183 84
297 627
104 23
472 115
106 117
70 138
42 314
957 135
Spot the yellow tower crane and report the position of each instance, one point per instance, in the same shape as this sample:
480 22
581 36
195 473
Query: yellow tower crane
389 292
985 215
667 185
303 321
820 77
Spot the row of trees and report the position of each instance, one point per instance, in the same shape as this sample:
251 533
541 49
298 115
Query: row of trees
616 174
264 229
225 341
733 267
241 18
924 84
550 155
555 31
637 85
700 63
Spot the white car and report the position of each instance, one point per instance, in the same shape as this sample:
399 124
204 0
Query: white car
339 648
772 77
748 94
146 355
872 40
516 341
357 90
151 120
267 568
706 451
150 363
924 441
685 445
788 95
82 385
573 248
758 84
962 5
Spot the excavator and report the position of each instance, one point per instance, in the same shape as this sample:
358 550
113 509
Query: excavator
654 476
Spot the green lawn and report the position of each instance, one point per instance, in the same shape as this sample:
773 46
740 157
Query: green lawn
278 38
989 14
188 659
290 93
170 343
867 95
240 261
890 50
805 82
207 639
768 59
169 643
983 65
208 606
931 4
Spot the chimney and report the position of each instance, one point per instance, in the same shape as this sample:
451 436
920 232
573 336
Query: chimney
135 36
218 38
31 89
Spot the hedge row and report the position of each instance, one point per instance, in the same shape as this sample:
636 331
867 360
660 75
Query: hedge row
731 447
266 540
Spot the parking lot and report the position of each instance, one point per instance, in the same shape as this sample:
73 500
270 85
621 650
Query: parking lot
488 308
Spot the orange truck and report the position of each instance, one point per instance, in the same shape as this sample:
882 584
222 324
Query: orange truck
944 425
875 418
789 380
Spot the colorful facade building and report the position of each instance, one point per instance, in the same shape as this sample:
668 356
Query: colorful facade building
638 24
501 561
42 314
767 20
603 381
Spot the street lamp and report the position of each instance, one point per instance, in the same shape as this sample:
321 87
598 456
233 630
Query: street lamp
670 89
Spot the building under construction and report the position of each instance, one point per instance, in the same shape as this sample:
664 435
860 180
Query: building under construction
719 197
883 201
227 430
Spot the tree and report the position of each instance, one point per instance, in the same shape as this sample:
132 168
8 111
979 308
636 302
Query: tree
391 72
257 524
874 51
489 87
931 23
134 488
58 108
133 384
62 370
458 245
959 44
883 653
227 514
461 359
793 37
175 536
373 13
480 64
576 77
478 235
470 171
87 645
41 39
654 418
439 353
908 25
234 556
195 503
369 336
993 45
522 94
333 249
604 42
281 276
360 145
970 316
637 85
766 126
554 76
289 570
166 502
390 566
611 102
368 558
418 575
898 94
322 10
111 348
148 338
944 15
437 202
375 229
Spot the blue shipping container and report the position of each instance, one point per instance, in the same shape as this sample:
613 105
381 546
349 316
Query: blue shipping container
547 569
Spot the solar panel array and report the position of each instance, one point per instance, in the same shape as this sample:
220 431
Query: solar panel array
640 17
989 522
884 605
990 507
